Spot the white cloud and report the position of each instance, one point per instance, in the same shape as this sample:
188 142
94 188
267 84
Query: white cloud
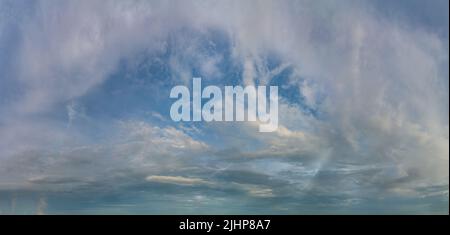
138 148
385 88
176 180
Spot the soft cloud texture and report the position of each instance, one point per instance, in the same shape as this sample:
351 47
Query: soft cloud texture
84 107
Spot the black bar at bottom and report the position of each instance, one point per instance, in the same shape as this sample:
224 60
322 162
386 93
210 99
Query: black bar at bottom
227 223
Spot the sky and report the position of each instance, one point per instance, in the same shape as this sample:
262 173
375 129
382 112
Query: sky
85 123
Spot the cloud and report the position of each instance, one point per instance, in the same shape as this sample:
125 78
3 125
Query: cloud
42 206
176 180
138 148
255 190
47 179
363 99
